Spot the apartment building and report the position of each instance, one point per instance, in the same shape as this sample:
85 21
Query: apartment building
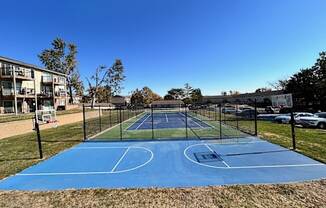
260 97
25 87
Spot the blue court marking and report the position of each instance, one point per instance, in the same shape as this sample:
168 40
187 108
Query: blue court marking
167 164
167 121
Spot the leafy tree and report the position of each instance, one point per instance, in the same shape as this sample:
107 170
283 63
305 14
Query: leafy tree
187 90
196 96
144 96
62 58
103 94
176 93
137 98
96 82
149 95
303 85
115 77
168 97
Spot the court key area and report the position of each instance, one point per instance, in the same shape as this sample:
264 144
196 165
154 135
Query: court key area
172 163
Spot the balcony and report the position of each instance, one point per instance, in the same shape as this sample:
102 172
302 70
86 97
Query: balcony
47 94
61 93
7 91
21 92
59 80
47 79
20 73
26 92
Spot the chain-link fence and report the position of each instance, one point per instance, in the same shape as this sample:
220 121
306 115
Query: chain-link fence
102 122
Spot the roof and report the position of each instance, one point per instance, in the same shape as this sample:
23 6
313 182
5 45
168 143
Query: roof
167 102
266 93
23 64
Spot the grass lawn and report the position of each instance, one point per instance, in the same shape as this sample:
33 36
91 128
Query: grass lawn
9 118
300 195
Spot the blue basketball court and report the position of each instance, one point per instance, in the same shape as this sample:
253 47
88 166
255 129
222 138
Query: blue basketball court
167 121
178 163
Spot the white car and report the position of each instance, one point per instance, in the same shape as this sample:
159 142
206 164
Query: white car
287 117
313 121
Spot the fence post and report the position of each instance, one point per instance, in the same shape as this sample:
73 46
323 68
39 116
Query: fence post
39 142
152 116
120 120
293 130
84 123
220 117
236 116
256 130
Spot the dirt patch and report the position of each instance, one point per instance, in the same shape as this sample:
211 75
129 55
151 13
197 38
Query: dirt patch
310 194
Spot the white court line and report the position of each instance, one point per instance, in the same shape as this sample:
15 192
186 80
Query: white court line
190 119
93 172
246 167
166 117
142 122
215 153
119 161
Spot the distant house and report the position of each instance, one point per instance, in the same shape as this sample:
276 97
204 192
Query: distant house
167 103
119 100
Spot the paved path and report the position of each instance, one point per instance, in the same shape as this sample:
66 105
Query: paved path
25 126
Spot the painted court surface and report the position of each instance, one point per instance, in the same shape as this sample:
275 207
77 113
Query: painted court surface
178 163
167 120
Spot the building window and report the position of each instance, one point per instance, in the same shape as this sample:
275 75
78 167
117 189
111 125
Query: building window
8 106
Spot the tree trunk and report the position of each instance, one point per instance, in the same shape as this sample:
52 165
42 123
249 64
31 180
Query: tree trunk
93 100
71 99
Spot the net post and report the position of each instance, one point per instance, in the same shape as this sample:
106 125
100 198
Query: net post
120 123
215 112
256 129
152 116
84 122
293 130
220 118
99 117
39 142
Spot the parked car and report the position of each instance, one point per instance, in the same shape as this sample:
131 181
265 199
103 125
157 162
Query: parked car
271 110
249 113
321 114
312 121
285 110
228 110
267 117
287 117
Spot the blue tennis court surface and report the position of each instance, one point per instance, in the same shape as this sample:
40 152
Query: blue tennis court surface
179 163
167 120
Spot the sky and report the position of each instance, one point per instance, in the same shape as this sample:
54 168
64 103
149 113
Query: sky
215 45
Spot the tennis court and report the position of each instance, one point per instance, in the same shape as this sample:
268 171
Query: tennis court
167 120
174 163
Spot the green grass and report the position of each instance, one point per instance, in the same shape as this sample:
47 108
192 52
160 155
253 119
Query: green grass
311 142
10 117
20 152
